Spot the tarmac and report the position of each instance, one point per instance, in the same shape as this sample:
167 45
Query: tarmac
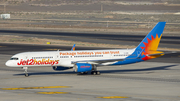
123 38
153 80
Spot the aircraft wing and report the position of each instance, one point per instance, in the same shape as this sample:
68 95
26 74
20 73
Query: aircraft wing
97 61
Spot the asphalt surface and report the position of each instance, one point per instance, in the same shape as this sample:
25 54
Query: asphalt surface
107 38
145 81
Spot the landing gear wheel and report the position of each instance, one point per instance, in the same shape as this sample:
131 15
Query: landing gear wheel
98 73
26 75
95 73
82 73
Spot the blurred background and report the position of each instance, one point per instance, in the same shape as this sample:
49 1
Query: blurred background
90 15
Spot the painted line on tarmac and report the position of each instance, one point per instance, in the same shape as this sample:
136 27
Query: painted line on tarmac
35 87
113 97
52 49
52 92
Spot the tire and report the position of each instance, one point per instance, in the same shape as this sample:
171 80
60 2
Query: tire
26 75
98 73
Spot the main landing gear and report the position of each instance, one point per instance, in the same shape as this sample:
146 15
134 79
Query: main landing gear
25 71
95 73
94 70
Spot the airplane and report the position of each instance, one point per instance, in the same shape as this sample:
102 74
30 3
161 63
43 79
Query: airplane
84 61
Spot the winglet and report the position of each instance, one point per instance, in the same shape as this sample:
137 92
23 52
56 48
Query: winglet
73 48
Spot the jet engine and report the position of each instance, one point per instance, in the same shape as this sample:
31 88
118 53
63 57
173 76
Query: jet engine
82 67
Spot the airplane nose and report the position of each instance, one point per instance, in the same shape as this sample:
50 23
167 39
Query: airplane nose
8 63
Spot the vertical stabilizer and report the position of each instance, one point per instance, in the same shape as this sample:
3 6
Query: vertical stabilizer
73 48
148 46
151 41
147 49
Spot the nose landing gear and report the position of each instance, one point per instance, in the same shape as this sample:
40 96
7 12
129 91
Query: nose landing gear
25 71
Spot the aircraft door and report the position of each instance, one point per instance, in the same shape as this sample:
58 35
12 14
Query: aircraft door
57 57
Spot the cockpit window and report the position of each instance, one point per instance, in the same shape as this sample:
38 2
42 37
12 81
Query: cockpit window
14 59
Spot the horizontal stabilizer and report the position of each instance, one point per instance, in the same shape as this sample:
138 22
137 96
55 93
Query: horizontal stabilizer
154 54
163 53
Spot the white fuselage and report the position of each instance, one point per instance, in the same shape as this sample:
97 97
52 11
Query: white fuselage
65 58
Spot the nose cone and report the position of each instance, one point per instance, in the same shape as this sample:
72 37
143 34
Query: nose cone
8 63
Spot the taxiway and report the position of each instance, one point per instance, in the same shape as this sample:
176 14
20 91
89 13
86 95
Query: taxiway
146 81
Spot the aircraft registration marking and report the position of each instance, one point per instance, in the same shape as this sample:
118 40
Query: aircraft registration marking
113 97
35 87
52 92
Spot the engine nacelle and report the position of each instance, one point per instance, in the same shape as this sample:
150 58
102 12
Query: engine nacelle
60 68
82 67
